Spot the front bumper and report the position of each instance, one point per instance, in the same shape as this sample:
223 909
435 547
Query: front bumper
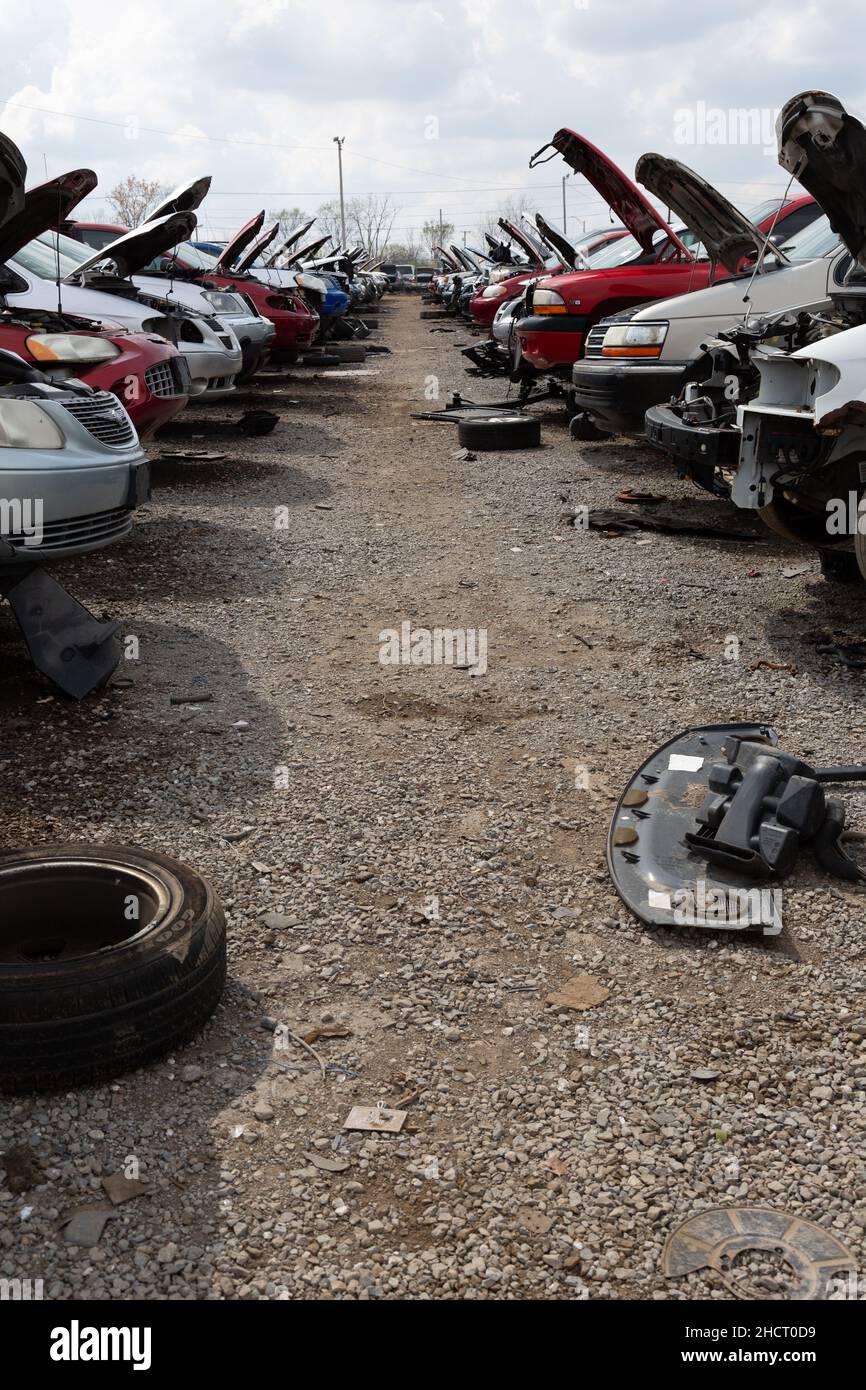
618 395
698 449
552 342
83 494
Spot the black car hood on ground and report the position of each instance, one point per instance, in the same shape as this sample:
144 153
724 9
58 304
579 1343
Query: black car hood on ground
46 206
136 249
727 233
628 203
824 146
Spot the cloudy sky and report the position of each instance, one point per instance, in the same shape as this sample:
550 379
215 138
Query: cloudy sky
441 103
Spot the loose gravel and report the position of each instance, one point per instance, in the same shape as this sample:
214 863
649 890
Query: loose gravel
413 855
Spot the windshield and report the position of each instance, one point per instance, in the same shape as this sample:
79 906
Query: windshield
768 208
818 239
190 255
41 258
618 252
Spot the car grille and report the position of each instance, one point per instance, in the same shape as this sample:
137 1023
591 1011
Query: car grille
595 340
75 531
160 380
104 417
226 341
220 383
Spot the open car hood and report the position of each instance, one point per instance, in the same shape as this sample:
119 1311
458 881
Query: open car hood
291 241
524 241
627 202
560 244
304 252
185 198
136 249
239 243
13 172
44 207
446 256
825 147
727 233
256 248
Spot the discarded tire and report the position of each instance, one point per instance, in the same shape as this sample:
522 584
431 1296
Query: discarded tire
350 352
500 432
109 958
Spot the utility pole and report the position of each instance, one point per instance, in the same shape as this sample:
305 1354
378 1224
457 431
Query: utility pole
440 227
564 218
340 141
464 237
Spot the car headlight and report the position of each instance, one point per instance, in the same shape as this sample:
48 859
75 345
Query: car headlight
70 347
494 292
634 340
25 425
548 302
223 303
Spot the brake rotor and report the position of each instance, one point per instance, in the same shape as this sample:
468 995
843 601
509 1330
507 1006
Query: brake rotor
713 1239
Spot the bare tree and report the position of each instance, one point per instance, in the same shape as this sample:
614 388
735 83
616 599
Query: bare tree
289 219
328 221
132 199
371 219
437 233
512 209
404 253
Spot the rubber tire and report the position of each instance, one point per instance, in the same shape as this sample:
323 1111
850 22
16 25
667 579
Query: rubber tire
350 352
583 427
82 1020
840 567
500 432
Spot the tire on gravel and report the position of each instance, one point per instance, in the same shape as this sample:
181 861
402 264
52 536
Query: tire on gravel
500 432
87 989
350 352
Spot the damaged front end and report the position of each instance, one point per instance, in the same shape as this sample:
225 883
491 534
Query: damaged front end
714 814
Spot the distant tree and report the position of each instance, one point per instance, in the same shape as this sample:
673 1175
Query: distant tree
289 219
512 209
370 221
132 199
437 233
404 253
328 220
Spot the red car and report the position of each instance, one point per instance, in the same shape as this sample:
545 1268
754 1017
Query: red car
145 372
654 262
296 323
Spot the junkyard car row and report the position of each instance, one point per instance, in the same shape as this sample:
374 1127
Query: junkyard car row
729 341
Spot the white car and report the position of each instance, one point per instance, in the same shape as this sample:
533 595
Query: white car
39 276
640 358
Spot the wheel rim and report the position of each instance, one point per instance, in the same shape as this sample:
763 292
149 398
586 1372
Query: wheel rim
55 910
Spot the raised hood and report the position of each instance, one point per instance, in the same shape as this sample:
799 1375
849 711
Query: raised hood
825 148
136 249
255 249
185 198
239 243
44 207
446 256
524 241
561 244
13 172
291 241
305 252
727 233
627 202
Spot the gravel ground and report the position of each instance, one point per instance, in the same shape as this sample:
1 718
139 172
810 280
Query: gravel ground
409 853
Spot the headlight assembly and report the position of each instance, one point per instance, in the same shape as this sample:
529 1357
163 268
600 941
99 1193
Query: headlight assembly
70 347
634 340
25 425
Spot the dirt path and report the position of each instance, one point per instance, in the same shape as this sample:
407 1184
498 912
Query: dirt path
415 852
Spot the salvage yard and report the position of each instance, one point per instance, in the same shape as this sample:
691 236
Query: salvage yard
411 861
